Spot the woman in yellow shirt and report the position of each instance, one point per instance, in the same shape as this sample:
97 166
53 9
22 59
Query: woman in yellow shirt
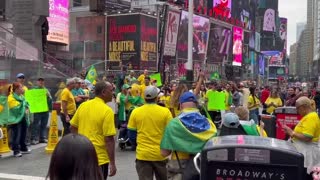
19 119
273 102
253 105
165 99
305 135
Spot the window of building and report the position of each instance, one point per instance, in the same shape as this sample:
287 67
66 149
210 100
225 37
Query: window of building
97 46
77 3
99 29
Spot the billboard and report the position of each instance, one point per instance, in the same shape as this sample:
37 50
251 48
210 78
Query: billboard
149 43
237 46
171 35
269 20
244 11
257 42
283 32
220 44
261 65
58 21
132 42
201 27
276 58
222 7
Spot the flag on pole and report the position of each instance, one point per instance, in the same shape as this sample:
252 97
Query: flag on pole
92 74
215 76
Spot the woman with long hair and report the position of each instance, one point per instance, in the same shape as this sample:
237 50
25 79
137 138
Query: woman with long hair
19 119
74 158
253 105
273 101
174 101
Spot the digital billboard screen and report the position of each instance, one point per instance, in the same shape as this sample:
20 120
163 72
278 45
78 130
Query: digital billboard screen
237 46
222 7
201 28
244 11
58 21
220 44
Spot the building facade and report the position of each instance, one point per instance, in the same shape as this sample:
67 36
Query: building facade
293 60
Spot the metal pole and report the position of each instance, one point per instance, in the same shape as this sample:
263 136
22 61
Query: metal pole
84 54
190 42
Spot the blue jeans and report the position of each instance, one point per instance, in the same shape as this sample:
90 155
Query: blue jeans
40 121
254 114
19 134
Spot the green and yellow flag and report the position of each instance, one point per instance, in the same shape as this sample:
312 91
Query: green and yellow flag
4 110
215 76
188 133
92 74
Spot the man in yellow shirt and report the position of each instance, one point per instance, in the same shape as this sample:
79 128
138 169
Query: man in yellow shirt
95 120
141 78
148 123
144 86
68 105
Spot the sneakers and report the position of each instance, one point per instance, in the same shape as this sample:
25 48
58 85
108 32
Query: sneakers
34 142
17 154
43 141
27 151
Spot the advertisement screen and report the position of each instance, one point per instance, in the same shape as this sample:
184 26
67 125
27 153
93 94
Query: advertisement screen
237 46
58 21
149 45
269 20
276 58
132 42
220 44
283 32
244 11
201 27
170 39
261 65
123 43
222 7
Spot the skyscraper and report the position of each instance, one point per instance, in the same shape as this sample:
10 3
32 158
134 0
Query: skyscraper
300 28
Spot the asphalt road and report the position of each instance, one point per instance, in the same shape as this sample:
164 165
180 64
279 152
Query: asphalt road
34 166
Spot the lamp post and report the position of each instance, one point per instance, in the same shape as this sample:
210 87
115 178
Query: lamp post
84 52
189 65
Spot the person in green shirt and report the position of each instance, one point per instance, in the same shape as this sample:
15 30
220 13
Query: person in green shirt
127 101
40 120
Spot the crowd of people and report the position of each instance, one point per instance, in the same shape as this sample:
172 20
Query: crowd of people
166 125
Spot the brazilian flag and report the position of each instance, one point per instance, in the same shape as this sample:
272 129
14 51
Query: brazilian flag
215 76
92 74
4 110
188 133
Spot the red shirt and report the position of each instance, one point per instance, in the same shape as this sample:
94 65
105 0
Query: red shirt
264 95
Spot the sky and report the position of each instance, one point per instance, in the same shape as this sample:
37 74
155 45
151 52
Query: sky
295 11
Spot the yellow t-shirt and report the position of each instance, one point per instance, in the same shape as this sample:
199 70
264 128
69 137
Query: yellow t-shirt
251 102
141 79
149 121
276 101
227 100
67 96
165 100
135 89
309 126
142 89
95 120
12 102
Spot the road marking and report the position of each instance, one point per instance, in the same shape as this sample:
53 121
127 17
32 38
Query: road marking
20 177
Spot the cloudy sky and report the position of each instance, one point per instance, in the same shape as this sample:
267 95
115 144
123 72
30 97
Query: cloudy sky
295 11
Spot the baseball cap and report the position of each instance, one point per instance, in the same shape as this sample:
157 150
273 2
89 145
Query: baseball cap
41 79
187 97
151 92
126 86
231 120
20 75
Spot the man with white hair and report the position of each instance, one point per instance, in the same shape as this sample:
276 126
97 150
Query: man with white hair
78 93
68 105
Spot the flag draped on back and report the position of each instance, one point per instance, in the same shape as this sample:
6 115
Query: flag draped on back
92 74
4 110
188 133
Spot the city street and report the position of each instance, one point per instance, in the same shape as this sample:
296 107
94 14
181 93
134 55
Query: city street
34 166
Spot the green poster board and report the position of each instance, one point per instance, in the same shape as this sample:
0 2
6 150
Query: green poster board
216 100
157 77
37 99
